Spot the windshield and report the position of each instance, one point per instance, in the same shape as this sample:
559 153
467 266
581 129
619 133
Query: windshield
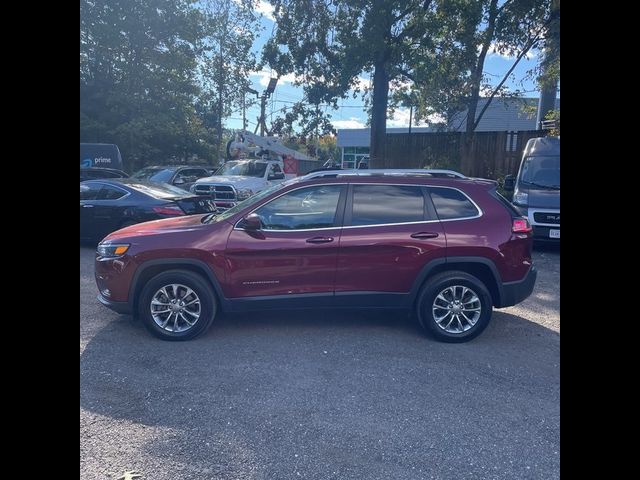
541 171
155 174
246 169
246 203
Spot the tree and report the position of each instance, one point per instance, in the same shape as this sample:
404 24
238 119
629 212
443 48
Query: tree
137 78
550 65
453 81
231 27
328 44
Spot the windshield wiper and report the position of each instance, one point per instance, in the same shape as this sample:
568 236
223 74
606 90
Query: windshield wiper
540 185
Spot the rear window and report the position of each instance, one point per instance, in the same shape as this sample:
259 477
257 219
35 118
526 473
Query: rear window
452 204
111 193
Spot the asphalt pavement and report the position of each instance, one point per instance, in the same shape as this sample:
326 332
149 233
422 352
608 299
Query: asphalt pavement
322 395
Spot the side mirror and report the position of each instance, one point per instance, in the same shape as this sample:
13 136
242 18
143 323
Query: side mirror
276 176
252 222
179 181
509 183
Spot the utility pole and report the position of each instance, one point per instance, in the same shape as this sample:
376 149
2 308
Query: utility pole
262 121
410 116
263 106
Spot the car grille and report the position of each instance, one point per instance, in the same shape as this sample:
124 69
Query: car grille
544 217
217 192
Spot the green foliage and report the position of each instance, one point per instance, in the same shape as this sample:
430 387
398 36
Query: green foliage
452 78
147 80
555 116
137 83
231 27
306 120
328 44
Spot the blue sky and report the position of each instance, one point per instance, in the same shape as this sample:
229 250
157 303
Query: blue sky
351 113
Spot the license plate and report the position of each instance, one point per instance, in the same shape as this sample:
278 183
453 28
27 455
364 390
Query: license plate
554 233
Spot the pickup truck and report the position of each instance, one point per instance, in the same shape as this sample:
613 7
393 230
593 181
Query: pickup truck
237 180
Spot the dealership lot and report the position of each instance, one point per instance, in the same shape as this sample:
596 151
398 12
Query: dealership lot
326 395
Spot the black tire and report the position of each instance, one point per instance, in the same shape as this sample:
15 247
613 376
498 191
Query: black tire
207 303
438 284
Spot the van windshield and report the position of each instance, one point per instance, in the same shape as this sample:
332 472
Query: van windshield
541 171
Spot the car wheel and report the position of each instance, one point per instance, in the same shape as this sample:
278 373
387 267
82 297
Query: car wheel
454 307
177 305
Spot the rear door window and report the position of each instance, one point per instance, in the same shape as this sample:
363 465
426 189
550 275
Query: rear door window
387 204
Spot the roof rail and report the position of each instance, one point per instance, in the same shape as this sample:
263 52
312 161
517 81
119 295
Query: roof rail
386 171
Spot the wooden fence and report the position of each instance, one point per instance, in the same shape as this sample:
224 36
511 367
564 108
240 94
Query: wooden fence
495 154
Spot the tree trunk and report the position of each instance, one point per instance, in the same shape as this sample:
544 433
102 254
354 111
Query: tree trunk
379 116
552 50
467 164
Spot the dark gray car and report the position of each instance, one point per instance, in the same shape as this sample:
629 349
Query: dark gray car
181 176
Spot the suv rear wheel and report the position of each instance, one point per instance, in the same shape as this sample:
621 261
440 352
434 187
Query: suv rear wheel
454 306
177 305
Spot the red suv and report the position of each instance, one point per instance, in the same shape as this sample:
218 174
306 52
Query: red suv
435 242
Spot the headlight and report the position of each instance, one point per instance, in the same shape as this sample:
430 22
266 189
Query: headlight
244 193
112 250
521 198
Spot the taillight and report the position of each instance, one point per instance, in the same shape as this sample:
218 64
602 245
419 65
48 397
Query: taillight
521 225
168 210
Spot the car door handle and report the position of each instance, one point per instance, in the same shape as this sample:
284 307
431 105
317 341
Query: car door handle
320 240
424 235
87 206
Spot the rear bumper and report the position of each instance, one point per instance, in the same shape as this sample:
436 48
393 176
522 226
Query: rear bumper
515 292
119 307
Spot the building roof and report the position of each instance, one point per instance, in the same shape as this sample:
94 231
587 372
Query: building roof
502 115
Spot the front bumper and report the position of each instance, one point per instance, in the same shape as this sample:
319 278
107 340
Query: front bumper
515 292
119 307
541 233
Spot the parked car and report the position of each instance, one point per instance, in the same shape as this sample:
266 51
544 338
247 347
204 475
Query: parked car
95 173
107 205
181 176
448 248
536 189
237 180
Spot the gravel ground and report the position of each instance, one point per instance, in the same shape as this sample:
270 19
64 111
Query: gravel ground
322 395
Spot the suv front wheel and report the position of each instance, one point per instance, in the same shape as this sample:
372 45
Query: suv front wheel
177 305
454 306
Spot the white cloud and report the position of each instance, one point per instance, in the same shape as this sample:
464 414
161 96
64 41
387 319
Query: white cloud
353 122
401 119
266 9
265 75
